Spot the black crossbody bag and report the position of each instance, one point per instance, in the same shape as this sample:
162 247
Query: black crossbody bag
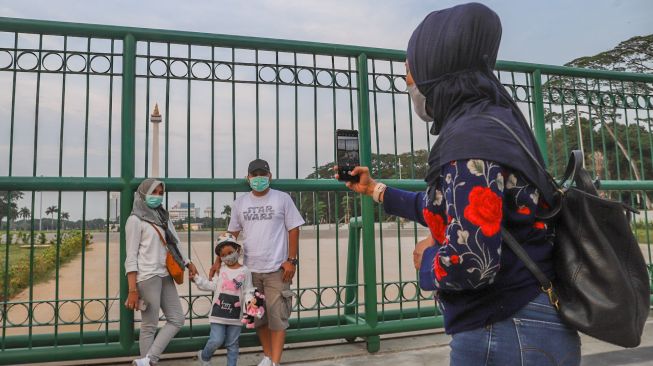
602 285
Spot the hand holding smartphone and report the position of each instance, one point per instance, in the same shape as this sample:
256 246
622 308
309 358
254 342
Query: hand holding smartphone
347 154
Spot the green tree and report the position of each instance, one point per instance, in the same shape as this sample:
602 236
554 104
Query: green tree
226 212
634 54
9 205
51 211
65 216
616 141
24 213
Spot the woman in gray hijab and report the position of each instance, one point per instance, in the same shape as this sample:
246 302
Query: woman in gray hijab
150 286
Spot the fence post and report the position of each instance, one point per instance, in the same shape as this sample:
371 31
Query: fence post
369 255
538 114
127 172
353 255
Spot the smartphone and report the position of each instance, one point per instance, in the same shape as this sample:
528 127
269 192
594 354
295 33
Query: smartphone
347 154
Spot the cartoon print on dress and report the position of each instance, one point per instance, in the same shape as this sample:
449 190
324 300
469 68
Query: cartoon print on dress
234 284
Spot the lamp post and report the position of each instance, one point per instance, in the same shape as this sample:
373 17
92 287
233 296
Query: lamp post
156 119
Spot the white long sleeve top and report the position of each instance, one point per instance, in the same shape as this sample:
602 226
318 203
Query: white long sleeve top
146 253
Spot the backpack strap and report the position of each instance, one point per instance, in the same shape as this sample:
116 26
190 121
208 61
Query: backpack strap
573 167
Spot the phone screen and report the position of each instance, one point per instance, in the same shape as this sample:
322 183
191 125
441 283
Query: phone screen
347 152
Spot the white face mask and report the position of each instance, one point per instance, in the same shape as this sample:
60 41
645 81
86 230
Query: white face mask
419 103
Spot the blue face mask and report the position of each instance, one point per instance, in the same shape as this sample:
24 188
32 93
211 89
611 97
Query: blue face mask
259 184
153 200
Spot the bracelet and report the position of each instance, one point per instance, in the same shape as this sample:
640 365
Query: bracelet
133 290
378 189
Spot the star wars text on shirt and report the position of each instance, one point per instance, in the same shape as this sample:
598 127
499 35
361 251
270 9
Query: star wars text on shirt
258 213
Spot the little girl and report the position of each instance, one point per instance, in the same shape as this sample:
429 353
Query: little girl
233 289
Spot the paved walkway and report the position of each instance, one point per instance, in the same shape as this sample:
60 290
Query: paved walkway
417 349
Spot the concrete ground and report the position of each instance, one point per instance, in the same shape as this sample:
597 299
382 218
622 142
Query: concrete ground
416 349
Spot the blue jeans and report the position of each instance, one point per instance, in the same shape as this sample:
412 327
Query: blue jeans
223 334
534 336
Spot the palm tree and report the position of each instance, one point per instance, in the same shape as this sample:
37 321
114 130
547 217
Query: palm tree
51 211
24 213
226 211
65 216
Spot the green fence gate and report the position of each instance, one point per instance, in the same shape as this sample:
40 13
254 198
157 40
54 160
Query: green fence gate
76 139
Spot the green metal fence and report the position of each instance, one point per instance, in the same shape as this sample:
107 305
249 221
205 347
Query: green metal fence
75 140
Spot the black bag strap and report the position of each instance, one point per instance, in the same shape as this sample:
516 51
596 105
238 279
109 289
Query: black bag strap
571 173
573 167
520 252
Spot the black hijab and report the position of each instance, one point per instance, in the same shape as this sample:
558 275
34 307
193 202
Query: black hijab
451 55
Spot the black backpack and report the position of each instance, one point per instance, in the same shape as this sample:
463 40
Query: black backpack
602 285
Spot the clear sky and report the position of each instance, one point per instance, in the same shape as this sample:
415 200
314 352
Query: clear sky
548 32
551 32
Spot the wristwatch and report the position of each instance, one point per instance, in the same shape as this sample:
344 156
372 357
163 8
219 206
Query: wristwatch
293 261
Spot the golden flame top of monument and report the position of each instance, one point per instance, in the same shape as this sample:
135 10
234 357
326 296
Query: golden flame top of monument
155 117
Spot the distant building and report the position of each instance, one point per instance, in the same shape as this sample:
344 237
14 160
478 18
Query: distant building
181 211
208 212
193 226
114 206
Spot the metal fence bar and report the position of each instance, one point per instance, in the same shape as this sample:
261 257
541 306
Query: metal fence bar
369 250
127 170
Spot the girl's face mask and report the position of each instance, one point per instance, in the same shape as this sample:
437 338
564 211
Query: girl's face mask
231 258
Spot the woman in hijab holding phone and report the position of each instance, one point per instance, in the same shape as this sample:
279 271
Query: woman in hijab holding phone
479 180
151 287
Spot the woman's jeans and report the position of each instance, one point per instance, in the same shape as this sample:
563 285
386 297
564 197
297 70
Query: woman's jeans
159 293
534 336
223 334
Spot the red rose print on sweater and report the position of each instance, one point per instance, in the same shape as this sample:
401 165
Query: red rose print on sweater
485 210
524 210
436 224
438 268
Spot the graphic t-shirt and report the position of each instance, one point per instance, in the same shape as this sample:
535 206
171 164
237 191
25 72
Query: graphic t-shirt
232 291
264 222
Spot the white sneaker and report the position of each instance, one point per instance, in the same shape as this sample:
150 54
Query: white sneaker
266 361
200 361
145 361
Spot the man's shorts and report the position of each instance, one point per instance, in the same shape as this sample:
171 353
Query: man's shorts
278 299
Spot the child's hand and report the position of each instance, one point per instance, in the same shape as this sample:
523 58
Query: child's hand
252 304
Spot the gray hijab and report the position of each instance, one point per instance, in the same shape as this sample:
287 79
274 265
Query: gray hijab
140 209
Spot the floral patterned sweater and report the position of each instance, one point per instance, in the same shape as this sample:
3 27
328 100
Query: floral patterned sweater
477 280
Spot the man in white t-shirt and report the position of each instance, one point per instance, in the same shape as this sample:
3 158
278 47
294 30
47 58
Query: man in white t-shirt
270 222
